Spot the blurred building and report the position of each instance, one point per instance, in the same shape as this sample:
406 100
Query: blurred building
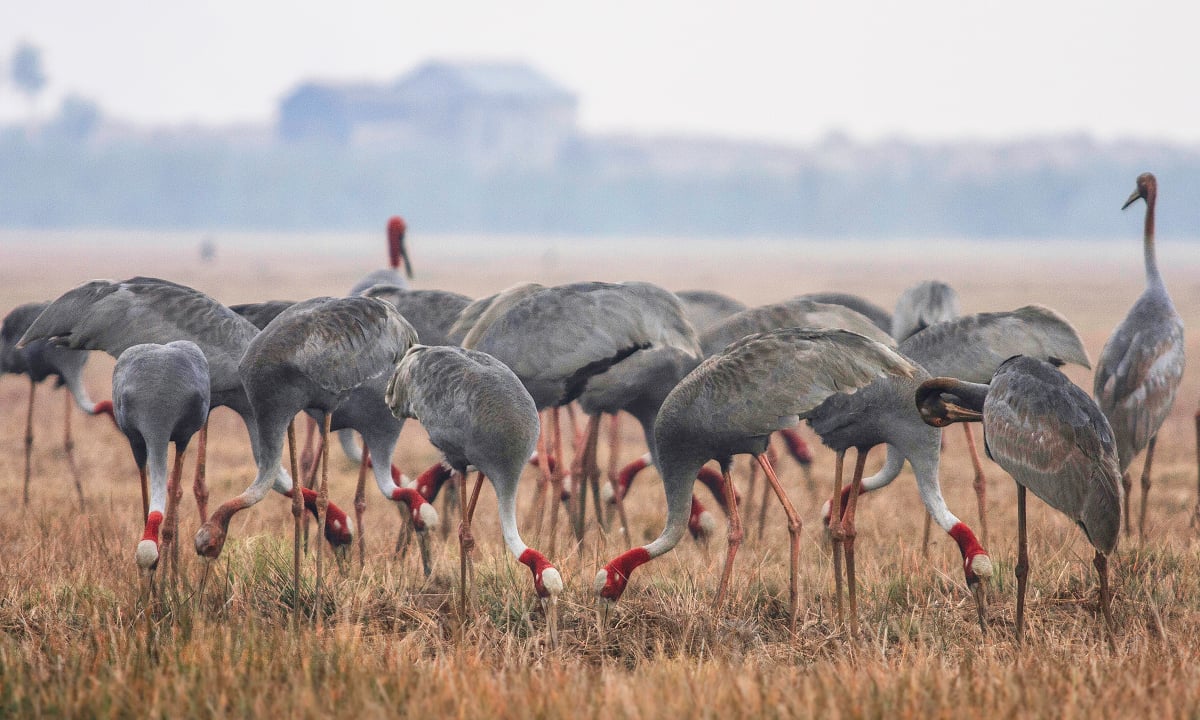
490 114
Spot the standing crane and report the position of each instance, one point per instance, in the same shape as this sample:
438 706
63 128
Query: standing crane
1054 440
1141 365
114 316
39 360
478 414
313 356
160 396
397 256
971 347
730 405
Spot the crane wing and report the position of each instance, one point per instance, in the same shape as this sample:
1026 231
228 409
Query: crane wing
792 313
972 347
430 312
922 305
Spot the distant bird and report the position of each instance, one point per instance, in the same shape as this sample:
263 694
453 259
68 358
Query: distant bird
1054 440
920 306
114 316
924 304
882 318
39 360
313 356
731 404
1141 365
397 256
478 414
561 341
160 396
971 348
705 308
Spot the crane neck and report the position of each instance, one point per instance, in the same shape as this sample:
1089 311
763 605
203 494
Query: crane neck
1153 277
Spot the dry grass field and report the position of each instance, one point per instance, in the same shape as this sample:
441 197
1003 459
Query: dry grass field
79 638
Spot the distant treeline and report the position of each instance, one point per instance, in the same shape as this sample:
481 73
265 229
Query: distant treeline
1047 188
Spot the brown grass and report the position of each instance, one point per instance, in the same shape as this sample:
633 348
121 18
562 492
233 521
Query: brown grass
79 638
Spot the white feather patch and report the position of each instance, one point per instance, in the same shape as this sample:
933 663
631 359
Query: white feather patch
147 554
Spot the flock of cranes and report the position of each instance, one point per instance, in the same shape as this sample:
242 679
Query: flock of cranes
705 377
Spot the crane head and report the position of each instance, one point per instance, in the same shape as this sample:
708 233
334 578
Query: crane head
396 228
612 578
936 410
147 549
1147 188
210 538
701 523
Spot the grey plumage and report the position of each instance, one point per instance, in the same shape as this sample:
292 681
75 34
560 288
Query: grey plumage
160 396
262 313
705 308
798 312
924 304
880 317
40 359
480 314
431 312
397 258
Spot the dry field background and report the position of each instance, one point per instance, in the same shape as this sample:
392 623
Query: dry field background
77 637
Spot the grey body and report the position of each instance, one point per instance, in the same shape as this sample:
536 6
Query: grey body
385 276
970 348
799 312
705 308
160 396
880 317
431 312
41 359
480 314
556 339
262 313
922 305
1055 441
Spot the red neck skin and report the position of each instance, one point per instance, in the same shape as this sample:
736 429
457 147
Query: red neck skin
618 571
846 500
537 563
105 407
412 498
694 526
395 233
218 526
536 461
153 521
337 527
626 476
969 546
429 483
797 447
716 485
396 474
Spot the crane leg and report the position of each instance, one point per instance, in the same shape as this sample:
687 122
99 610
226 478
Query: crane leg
980 482
360 504
762 507
29 437
735 536
1022 562
794 526
556 476
592 479
145 491
1196 512
308 456
69 446
614 439
544 482
849 533
170 533
466 541
310 479
322 507
751 488
1127 487
1146 487
835 531
581 470
297 514
199 486
1101 563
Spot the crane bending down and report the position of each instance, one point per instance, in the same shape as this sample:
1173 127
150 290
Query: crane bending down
313 356
160 396
1054 440
39 360
920 306
114 316
731 404
478 413
397 256
971 347
1141 364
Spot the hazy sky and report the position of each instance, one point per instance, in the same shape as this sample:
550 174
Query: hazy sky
788 70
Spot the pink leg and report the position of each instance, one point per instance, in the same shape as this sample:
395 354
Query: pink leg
360 504
980 482
29 438
199 487
297 514
1146 487
322 512
69 446
735 538
794 525
849 533
835 531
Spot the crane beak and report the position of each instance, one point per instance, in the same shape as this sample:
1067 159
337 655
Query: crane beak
980 604
423 543
550 608
341 554
1137 194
